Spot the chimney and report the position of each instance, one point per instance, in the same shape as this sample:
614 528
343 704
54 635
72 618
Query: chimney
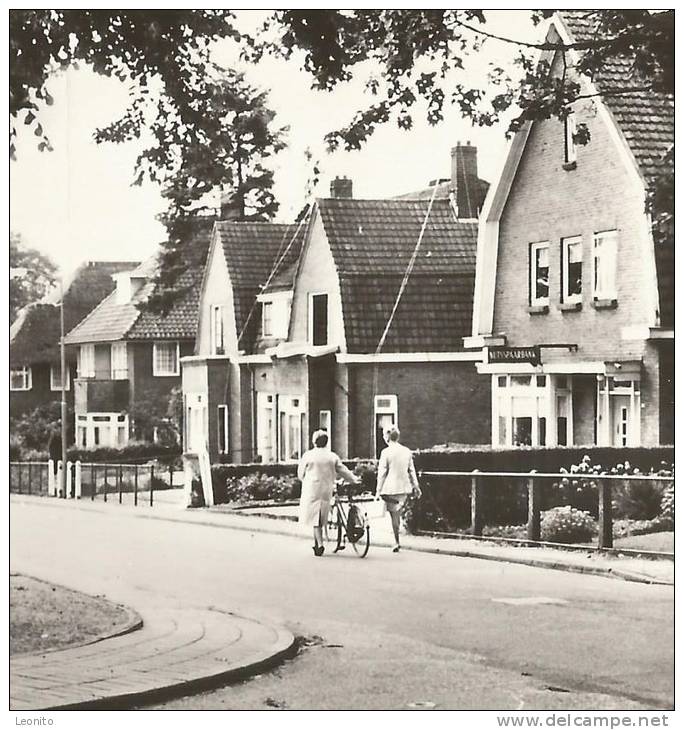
464 180
341 187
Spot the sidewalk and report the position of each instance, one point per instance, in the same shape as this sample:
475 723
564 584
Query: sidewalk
175 651
279 520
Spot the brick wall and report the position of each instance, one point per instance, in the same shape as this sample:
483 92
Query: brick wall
437 403
146 387
548 203
25 401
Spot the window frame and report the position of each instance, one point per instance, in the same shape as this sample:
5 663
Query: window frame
27 377
310 328
534 300
392 409
216 317
222 414
89 348
609 252
326 415
155 370
566 244
118 373
569 146
58 388
267 306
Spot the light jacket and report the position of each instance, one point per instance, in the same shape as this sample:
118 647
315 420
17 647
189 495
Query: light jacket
396 473
317 470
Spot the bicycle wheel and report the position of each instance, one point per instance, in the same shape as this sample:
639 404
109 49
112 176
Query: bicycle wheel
362 545
335 528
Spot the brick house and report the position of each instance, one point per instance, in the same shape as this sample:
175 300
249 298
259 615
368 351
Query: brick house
574 302
129 360
34 336
326 370
217 384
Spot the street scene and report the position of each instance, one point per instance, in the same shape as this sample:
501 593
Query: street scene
342 362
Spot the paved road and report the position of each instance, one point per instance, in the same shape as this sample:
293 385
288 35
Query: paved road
381 632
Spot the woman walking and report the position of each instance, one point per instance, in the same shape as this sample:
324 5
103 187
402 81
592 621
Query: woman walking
317 472
396 479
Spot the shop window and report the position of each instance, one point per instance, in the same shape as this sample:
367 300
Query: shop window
539 274
165 360
604 264
20 378
571 275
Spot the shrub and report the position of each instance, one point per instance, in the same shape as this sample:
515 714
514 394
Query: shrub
135 452
567 525
667 507
32 430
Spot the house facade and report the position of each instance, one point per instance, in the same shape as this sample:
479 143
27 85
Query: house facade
332 346
35 366
128 361
573 299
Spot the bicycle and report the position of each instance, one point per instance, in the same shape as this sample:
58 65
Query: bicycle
351 525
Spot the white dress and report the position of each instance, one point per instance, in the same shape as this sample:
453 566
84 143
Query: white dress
318 469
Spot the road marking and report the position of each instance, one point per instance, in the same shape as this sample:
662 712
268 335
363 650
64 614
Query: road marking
530 601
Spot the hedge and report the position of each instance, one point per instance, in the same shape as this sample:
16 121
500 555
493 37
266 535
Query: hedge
549 460
139 453
243 483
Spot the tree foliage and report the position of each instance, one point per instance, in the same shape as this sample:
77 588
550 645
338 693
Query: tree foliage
32 275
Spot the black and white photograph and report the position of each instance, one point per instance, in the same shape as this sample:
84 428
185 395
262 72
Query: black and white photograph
342 365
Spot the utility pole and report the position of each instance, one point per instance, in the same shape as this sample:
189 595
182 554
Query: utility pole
63 376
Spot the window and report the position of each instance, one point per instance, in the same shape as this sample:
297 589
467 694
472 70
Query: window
165 359
119 364
386 414
223 429
266 434
217 330
20 378
267 319
318 319
605 262
570 149
530 410
86 361
102 429
56 379
291 428
325 424
539 274
572 269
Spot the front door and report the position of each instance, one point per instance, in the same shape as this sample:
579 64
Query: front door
621 420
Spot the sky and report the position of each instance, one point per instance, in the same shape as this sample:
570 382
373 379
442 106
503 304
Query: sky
77 203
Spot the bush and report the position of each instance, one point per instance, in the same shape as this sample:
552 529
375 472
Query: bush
567 525
242 483
135 452
667 508
32 430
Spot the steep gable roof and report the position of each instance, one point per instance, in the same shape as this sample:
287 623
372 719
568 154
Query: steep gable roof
646 118
646 121
34 337
372 242
251 252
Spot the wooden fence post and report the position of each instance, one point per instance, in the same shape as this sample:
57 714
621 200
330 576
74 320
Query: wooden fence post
605 517
533 508
78 487
68 480
476 514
